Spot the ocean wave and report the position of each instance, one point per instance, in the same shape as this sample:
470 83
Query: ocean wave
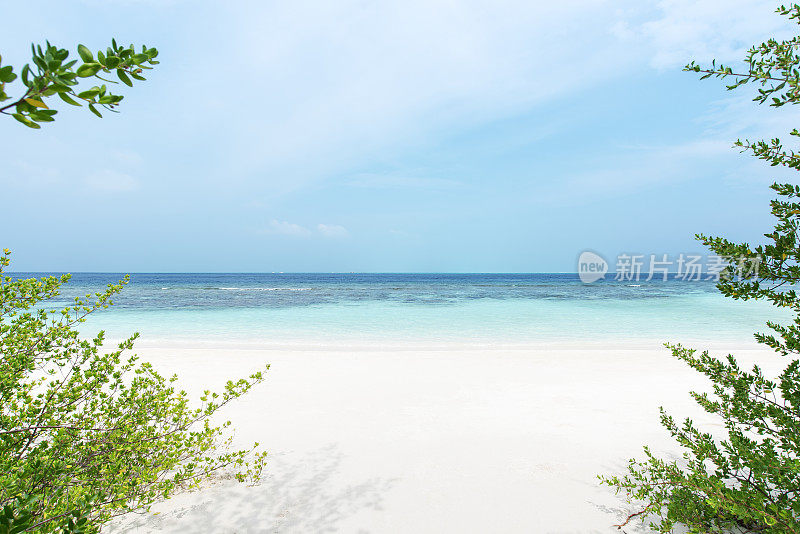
263 288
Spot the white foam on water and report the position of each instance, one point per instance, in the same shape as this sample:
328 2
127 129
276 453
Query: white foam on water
265 288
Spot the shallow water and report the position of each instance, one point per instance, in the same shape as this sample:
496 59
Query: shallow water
424 308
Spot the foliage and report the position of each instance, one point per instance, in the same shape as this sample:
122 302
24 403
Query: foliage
86 433
747 478
53 75
19 516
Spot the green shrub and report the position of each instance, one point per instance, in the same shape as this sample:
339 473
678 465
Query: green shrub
747 480
91 433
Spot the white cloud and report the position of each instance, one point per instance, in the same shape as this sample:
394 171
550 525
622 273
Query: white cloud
332 230
337 82
31 175
111 181
127 157
276 227
395 181
698 148
636 168
335 86
738 116
340 83
677 31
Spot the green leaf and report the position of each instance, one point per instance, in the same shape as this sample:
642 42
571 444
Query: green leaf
94 110
39 62
85 53
124 77
25 71
36 103
88 69
42 116
7 74
112 62
24 120
89 93
67 99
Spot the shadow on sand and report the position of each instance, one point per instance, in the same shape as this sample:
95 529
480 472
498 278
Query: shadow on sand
621 510
298 496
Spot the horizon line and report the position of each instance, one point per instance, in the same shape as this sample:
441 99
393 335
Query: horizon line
670 273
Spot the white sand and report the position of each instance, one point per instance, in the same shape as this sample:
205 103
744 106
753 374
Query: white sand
417 441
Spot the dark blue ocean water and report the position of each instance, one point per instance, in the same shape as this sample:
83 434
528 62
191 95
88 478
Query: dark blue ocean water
277 290
469 308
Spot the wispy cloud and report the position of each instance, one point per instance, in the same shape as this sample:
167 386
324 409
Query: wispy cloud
127 157
640 167
23 172
679 30
396 181
738 116
286 228
395 74
276 227
391 78
332 230
111 181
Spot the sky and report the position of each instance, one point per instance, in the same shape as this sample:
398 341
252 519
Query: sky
407 136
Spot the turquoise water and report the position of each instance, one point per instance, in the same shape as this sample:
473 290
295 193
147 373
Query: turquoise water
505 309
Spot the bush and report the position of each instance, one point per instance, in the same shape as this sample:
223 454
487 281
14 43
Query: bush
87 433
747 480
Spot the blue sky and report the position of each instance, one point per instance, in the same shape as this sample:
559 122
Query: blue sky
391 136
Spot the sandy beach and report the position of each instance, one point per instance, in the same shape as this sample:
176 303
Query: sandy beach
447 440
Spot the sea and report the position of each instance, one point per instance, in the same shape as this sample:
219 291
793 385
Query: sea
285 310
